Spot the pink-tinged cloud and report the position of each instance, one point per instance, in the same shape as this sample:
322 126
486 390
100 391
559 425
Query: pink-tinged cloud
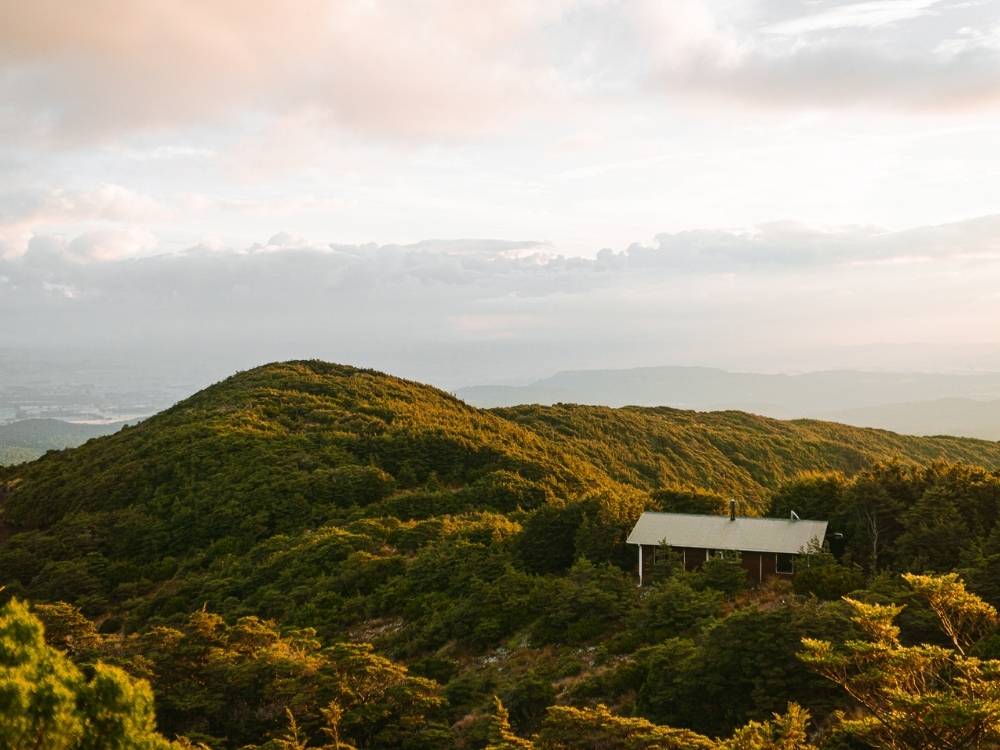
447 69
84 70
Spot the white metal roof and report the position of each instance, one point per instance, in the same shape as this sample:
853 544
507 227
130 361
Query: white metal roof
718 532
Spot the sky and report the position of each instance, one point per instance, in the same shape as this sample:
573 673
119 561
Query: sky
489 192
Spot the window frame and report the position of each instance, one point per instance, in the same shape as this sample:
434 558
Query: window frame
790 558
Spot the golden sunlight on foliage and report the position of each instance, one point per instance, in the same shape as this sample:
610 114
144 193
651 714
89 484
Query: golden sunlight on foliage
323 556
921 696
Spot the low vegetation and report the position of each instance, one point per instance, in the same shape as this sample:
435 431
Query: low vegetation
311 555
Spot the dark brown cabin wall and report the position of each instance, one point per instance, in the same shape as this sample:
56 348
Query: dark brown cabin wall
759 565
769 561
751 562
694 557
648 553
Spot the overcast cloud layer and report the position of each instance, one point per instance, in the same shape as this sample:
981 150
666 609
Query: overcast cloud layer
464 311
669 181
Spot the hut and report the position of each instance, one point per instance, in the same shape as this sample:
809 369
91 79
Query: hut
767 547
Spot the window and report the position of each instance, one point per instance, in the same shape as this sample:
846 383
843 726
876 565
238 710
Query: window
784 564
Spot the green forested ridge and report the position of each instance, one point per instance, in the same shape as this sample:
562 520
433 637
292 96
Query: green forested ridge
728 451
240 549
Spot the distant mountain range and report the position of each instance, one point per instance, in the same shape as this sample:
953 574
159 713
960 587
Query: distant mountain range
911 403
27 439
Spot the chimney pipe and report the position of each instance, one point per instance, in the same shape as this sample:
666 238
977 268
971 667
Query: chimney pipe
732 509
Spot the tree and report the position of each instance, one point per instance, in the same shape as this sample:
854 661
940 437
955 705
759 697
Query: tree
528 699
922 696
872 503
334 714
672 606
607 519
568 728
48 703
508 491
725 574
744 667
964 617
501 736
664 676
819 573
232 685
586 603
813 495
293 739
934 533
351 485
672 500
786 731
984 573
546 545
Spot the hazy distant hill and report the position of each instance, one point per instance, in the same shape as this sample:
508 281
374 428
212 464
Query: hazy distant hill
964 417
28 439
829 394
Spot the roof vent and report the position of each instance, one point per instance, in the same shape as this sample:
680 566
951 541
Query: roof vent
732 509
794 516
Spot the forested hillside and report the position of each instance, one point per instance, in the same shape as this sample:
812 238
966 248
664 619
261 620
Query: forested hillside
356 555
729 452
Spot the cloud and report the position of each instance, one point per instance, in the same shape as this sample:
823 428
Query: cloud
294 78
165 152
112 244
26 213
530 266
815 61
94 70
866 15
468 310
96 246
968 40
783 246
